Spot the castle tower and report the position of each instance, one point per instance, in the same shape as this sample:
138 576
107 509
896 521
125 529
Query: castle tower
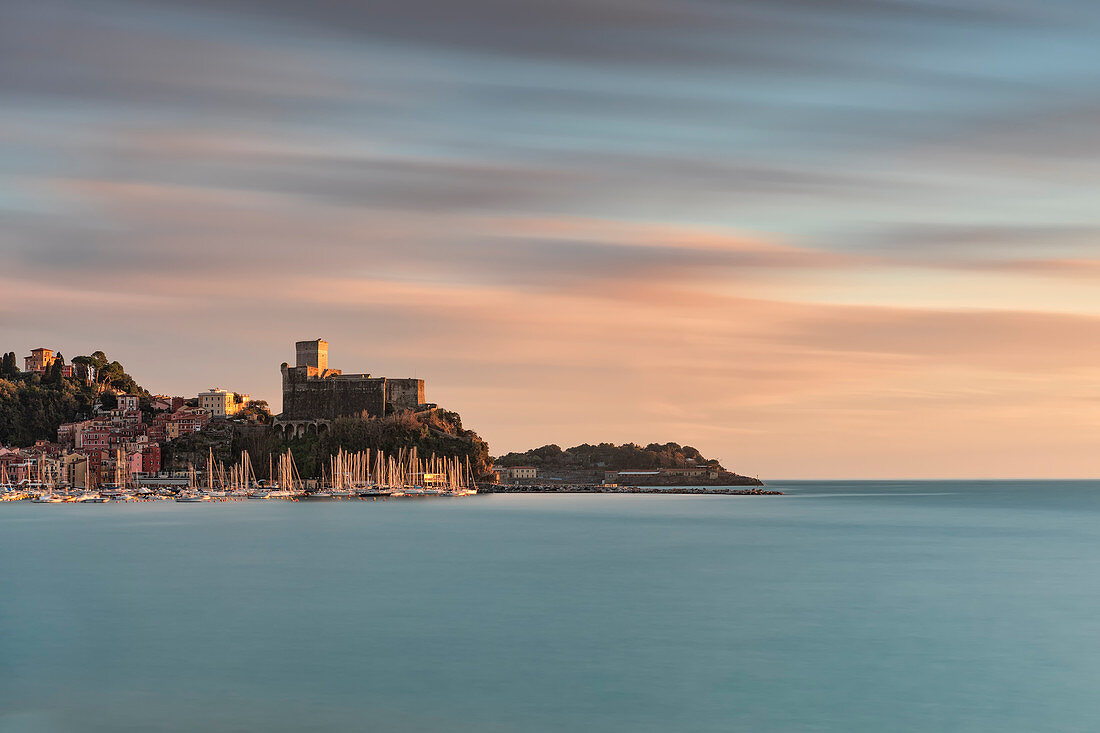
312 354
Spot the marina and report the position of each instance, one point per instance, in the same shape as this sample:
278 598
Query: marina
347 476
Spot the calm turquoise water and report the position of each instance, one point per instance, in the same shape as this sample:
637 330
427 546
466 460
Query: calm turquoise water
875 606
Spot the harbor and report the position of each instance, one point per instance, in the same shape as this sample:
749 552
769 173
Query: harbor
344 476
360 475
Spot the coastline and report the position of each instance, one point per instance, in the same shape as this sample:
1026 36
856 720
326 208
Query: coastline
601 489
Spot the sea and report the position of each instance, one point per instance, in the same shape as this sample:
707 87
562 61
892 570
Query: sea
841 606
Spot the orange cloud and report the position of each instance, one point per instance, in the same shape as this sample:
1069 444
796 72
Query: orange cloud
664 333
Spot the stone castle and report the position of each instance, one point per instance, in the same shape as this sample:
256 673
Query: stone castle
314 395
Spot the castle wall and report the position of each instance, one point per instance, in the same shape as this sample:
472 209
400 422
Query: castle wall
307 397
405 394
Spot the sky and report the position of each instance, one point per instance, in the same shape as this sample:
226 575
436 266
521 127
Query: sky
811 238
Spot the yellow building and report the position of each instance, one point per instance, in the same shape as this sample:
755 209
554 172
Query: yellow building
522 472
219 403
516 473
74 468
39 360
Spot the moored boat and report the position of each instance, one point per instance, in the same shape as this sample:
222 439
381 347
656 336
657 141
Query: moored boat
376 491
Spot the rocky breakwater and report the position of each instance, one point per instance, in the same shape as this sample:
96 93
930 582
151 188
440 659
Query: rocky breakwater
603 489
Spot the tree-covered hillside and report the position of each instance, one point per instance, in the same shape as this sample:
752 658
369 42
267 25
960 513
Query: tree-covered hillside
438 431
32 406
608 456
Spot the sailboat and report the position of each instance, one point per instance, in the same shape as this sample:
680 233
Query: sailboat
374 485
289 479
210 490
45 484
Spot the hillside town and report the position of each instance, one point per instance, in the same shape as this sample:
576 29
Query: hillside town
120 440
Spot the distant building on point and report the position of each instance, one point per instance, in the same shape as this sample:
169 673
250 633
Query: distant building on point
516 473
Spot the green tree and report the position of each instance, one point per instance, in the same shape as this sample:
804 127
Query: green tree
9 368
53 372
115 375
256 411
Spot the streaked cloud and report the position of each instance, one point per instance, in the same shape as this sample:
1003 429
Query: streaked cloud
812 238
